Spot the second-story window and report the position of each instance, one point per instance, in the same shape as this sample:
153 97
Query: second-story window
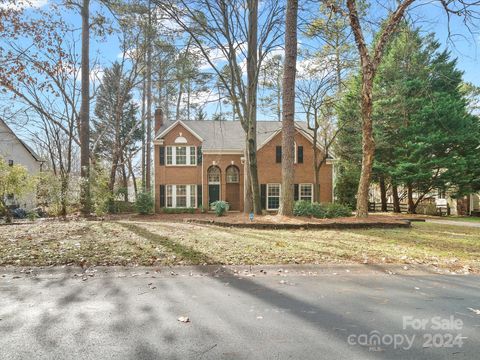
181 155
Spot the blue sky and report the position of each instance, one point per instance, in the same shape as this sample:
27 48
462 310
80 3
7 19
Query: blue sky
431 18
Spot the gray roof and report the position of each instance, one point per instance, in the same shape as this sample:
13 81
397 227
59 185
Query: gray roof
229 135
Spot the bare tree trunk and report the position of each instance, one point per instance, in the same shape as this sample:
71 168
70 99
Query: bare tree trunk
383 193
132 173
148 149
64 178
288 111
124 179
247 186
144 95
252 76
85 112
396 198
368 144
411 203
316 170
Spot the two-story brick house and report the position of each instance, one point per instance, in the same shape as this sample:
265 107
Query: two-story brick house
199 162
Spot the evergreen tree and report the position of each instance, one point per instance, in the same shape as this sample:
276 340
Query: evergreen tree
426 139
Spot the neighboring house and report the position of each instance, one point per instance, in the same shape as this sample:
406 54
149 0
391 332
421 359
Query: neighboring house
15 151
199 162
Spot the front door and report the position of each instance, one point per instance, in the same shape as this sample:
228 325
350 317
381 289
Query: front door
233 195
213 193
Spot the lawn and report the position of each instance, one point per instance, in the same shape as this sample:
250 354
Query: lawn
126 242
463 218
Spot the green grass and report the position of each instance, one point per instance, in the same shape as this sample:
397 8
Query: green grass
163 243
463 218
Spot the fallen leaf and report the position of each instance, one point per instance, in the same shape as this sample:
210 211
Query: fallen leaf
476 311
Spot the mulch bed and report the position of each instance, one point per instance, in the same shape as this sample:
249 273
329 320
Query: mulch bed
279 222
241 220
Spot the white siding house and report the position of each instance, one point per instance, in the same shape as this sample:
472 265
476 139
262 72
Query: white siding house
15 151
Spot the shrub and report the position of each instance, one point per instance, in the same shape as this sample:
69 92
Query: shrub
337 210
178 210
320 211
302 208
220 207
144 203
32 215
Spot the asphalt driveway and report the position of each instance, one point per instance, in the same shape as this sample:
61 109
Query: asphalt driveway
267 313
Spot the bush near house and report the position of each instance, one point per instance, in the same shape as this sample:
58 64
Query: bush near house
320 211
144 203
220 207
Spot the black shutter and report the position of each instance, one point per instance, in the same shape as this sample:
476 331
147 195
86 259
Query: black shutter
278 155
300 154
295 196
263 195
199 196
199 155
162 196
162 155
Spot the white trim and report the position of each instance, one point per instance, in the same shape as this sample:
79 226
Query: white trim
279 196
300 191
268 139
188 196
167 130
174 155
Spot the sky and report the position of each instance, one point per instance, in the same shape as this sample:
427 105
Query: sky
431 18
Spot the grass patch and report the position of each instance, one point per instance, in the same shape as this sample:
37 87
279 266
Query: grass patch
167 243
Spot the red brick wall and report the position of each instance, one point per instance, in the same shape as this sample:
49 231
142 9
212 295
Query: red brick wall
173 174
269 170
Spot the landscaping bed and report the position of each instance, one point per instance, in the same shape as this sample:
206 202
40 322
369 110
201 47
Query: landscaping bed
281 222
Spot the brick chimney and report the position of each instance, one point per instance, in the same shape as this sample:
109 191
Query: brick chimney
158 119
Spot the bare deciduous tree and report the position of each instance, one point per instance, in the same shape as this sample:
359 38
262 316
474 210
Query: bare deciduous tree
228 29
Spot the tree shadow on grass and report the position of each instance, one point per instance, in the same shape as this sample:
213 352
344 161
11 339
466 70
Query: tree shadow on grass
185 252
312 314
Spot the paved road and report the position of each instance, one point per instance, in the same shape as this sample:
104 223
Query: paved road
456 223
297 313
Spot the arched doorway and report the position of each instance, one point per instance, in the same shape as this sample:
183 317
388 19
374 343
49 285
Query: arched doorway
233 187
214 177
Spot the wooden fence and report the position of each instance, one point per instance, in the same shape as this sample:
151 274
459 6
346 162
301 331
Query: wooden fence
441 210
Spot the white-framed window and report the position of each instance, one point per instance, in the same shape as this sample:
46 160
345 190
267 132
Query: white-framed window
273 196
214 175
181 155
233 175
305 192
169 155
181 196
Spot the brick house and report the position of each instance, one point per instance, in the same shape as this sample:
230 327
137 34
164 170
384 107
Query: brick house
199 162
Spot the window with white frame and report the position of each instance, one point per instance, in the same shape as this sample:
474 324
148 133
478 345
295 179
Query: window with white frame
306 192
181 196
181 155
214 175
233 175
273 196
